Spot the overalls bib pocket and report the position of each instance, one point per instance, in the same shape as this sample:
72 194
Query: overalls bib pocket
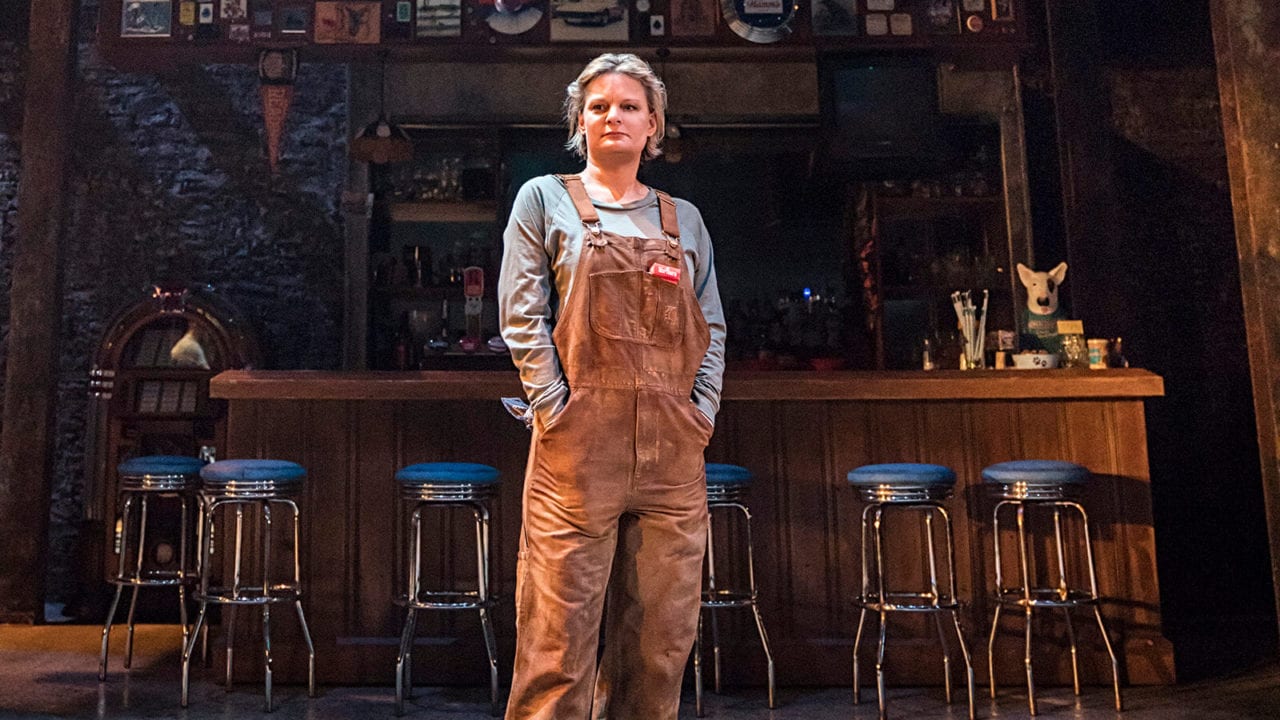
634 306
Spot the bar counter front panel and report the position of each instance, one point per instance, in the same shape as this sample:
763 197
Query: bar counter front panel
799 433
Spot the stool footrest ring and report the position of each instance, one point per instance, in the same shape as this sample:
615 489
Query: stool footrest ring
907 602
249 596
1046 597
727 599
168 581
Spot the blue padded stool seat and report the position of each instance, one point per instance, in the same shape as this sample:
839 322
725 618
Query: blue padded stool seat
160 473
902 482
161 465
901 473
229 471
727 483
448 472
1034 479
725 474
1036 472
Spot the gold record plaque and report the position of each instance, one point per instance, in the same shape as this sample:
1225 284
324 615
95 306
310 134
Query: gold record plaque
760 21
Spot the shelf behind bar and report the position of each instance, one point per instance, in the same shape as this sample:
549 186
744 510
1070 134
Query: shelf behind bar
941 385
445 212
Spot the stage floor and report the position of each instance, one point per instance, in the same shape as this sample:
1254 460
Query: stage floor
51 671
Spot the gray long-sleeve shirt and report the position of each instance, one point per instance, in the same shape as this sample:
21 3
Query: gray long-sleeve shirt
541 247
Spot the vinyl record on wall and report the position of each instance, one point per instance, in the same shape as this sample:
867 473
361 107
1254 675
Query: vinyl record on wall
511 17
760 21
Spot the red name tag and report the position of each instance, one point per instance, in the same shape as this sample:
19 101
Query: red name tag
665 272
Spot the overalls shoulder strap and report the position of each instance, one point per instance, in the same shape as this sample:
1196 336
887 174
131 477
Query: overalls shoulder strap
578 193
667 208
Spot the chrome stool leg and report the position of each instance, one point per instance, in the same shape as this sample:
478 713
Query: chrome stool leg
1025 574
106 633
1063 595
716 596
137 575
188 649
482 588
182 572
755 610
878 533
697 670
955 612
125 513
204 553
862 596
402 660
1095 599
266 607
297 601
934 597
715 626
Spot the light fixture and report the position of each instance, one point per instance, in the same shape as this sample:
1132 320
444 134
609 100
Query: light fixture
382 141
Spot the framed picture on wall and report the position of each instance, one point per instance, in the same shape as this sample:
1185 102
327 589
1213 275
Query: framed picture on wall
146 18
235 10
295 19
692 18
1002 9
941 17
589 21
835 17
348 22
439 18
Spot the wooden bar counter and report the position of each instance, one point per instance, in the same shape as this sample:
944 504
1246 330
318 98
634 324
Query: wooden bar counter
799 432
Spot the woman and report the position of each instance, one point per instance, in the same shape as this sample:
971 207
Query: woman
608 302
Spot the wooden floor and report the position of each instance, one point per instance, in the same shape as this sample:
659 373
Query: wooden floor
51 671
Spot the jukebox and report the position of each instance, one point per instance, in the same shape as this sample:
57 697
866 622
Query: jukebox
149 395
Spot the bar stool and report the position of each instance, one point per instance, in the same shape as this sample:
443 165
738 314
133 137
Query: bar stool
1044 484
142 479
237 485
449 486
726 486
920 489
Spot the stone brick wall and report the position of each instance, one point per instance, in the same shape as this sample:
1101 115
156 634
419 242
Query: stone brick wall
168 181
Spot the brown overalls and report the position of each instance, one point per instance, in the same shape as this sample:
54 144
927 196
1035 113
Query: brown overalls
615 490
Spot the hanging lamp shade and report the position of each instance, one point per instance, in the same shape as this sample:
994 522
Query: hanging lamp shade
382 142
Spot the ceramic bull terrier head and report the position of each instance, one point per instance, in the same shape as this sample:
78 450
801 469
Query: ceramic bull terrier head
1042 288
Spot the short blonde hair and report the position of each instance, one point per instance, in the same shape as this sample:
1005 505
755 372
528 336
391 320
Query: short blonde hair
655 92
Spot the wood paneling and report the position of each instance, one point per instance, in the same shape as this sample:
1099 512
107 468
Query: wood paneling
805 522
1246 38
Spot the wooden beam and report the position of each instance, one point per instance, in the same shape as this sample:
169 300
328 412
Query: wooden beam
35 312
1246 37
